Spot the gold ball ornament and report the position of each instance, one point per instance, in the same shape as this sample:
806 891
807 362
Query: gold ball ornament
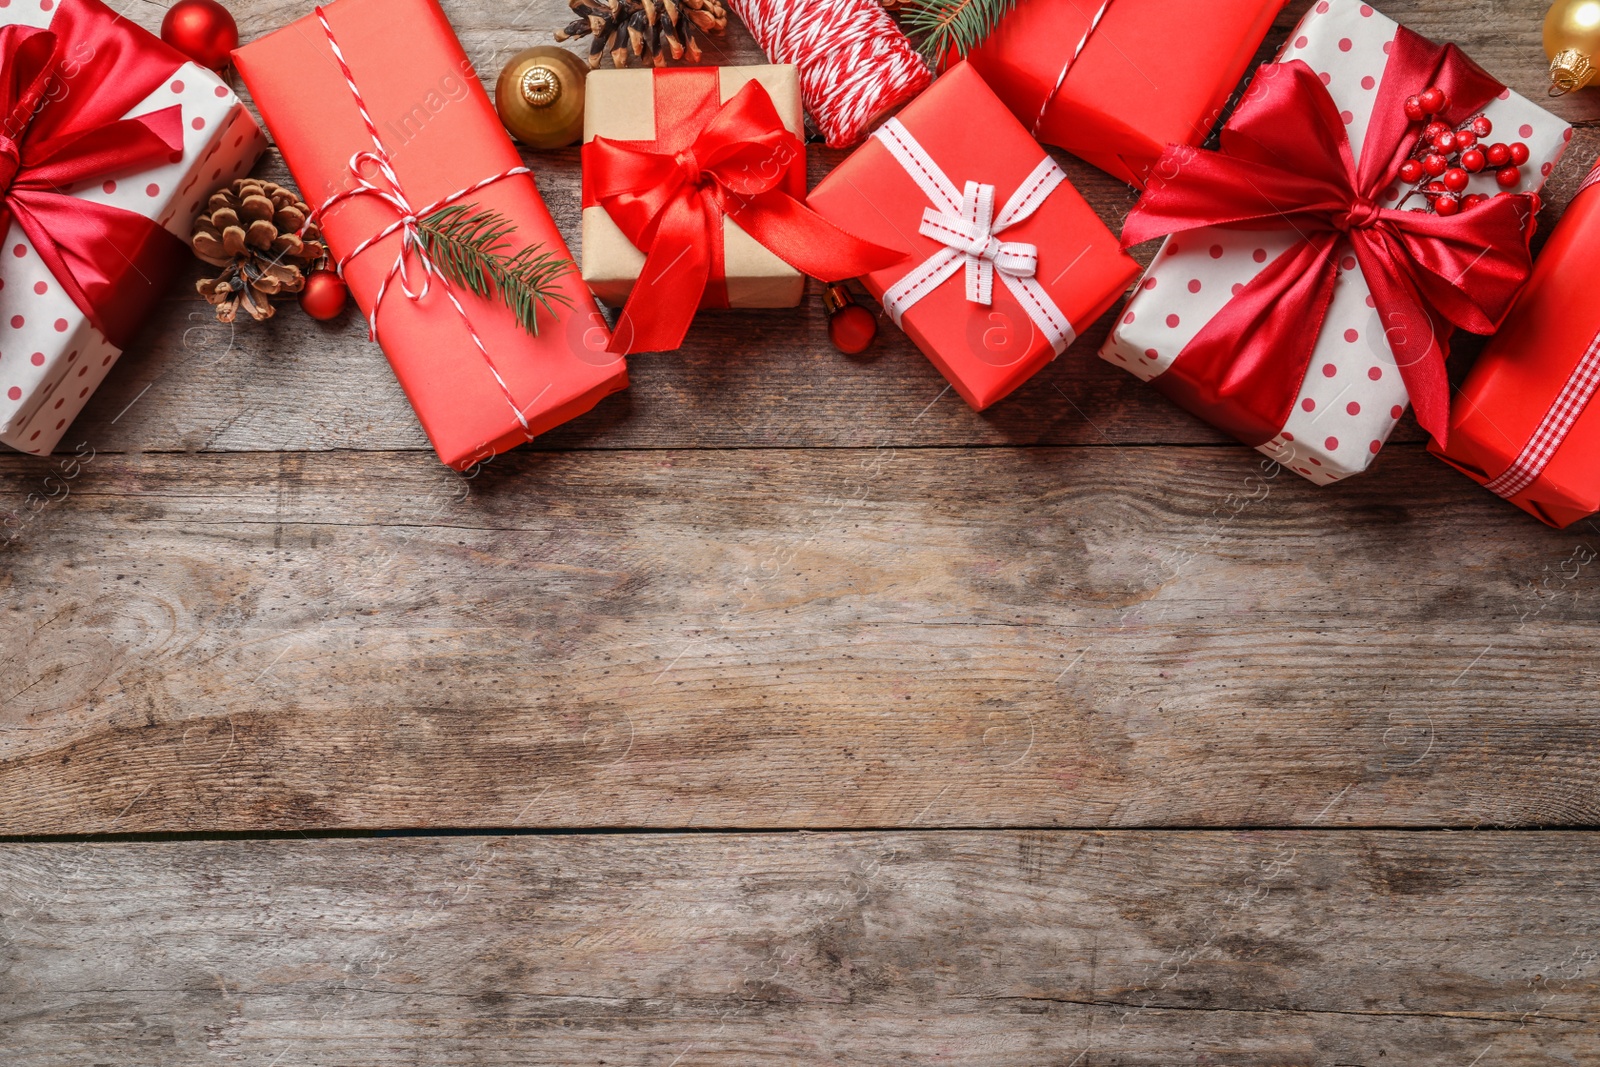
1572 41
540 97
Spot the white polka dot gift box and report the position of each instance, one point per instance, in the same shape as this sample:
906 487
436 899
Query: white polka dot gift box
112 142
1368 197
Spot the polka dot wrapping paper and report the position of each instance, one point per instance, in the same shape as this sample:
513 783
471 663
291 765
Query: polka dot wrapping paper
51 356
1353 394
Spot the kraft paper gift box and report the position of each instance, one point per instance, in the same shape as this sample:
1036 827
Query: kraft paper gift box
1352 395
479 382
634 105
53 354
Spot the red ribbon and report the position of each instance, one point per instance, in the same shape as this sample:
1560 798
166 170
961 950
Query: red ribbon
1286 163
63 92
669 196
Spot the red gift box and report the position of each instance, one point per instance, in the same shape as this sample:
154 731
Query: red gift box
989 165
1526 423
479 382
1149 73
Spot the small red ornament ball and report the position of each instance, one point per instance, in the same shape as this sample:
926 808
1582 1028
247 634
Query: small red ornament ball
203 30
852 328
324 295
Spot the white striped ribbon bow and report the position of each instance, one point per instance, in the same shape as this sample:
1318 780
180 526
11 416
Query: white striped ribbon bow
964 221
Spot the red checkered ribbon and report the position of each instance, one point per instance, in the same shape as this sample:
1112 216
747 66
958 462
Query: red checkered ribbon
1563 415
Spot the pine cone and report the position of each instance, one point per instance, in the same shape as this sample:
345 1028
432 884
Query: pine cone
652 30
256 231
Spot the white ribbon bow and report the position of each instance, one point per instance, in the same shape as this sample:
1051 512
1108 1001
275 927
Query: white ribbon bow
965 223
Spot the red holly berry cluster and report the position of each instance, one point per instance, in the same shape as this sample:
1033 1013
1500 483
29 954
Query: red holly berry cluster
1445 159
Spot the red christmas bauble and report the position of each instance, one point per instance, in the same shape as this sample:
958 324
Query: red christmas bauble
203 30
851 329
324 295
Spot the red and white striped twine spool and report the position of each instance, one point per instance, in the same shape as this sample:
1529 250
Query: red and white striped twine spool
855 64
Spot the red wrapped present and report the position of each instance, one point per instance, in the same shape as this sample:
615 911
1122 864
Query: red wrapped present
1526 424
383 123
1005 260
1115 81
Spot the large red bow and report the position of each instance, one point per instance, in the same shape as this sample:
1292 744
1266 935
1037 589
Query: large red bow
63 94
671 204
1286 163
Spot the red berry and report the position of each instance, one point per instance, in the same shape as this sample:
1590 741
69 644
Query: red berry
1482 126
1446 204
1508 176
1414 110
1466 138
1473 160
1519 153
1433 100
1498 155
1455 179
1434 129
1435 188
1435 164
1411 172
1445 142
1474 199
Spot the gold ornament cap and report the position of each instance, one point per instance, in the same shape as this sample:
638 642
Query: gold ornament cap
1572 41
539 96
1570 70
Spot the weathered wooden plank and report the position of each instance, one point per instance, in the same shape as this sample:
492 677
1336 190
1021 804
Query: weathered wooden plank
744 378
989 950
766 638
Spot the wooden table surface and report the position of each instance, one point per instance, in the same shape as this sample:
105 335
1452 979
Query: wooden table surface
782 710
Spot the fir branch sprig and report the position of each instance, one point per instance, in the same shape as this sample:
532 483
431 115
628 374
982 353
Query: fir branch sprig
471 248
942 27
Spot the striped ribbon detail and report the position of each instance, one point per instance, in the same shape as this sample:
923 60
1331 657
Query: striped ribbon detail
964 221
1061 78
1557 423
408 226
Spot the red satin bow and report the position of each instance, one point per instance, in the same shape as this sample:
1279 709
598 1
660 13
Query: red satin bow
1286 163
63 92
671 204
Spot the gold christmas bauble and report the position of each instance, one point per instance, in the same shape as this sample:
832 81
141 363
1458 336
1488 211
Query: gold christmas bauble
540 97
1572 41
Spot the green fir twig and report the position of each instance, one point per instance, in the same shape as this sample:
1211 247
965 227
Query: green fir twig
943 27
471 248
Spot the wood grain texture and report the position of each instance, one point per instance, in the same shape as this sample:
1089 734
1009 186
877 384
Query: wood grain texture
743 379
775 638
972 950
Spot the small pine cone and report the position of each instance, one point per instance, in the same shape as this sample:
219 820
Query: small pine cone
644 31
259 234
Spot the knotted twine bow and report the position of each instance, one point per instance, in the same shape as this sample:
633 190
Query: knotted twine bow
1286 163
408 226
965 223
671 205
63 92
